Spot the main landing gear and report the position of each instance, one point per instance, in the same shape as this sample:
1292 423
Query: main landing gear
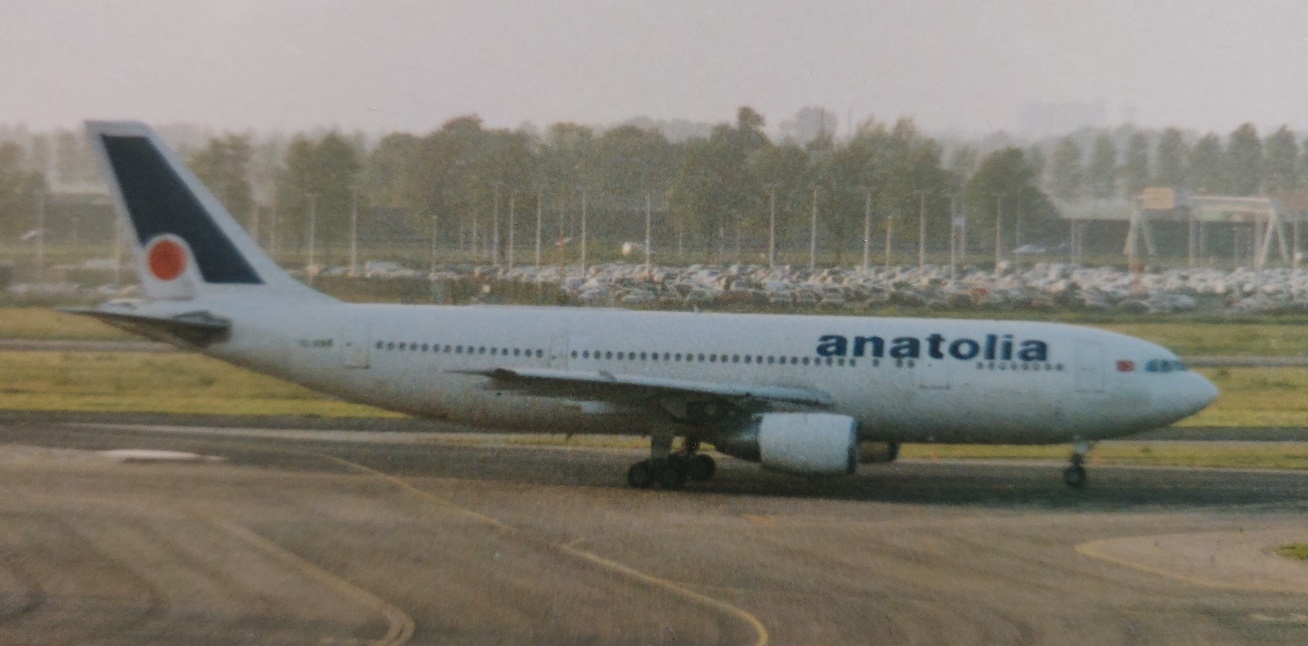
1074 475
668 470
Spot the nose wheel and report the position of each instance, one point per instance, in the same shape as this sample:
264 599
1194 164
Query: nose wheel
1074 475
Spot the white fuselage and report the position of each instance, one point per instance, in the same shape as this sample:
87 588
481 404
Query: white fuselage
904 380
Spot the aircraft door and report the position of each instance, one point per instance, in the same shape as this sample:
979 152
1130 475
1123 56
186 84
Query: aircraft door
561 347
354 350
934 374
1090 365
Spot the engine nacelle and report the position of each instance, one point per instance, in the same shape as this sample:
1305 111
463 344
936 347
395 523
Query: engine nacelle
799 443
877 452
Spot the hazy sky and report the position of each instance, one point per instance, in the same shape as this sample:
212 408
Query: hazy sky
383 66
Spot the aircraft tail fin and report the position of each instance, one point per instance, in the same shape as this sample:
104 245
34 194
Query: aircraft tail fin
186 244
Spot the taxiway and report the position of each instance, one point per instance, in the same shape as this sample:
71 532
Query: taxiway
417 539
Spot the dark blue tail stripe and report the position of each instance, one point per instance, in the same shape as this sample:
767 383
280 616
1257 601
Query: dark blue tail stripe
158 202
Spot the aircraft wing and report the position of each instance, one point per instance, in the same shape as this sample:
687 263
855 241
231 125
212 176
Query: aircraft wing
602 384
199 328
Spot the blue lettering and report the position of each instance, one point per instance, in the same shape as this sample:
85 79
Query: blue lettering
964 349
994 347
832 345
1034 351
878 346
905 347
933 346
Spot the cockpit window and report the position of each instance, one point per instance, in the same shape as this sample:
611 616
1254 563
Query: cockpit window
1165 365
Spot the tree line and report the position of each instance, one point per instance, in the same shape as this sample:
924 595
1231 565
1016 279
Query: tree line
719 192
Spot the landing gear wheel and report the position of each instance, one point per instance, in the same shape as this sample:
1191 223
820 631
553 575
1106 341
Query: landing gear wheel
672 475
1074 476
641 475
700 467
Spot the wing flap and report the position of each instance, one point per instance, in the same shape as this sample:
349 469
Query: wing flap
603 384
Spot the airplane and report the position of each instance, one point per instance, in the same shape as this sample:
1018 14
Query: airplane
799 394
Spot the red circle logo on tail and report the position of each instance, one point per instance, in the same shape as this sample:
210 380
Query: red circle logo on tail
167 260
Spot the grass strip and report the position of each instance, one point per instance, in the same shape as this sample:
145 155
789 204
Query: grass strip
1269 455
185 383
176 383
46 324
1294 551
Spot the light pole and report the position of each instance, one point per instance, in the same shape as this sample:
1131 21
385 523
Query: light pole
649 211
354 231
310 271
999 229
583 233
867 227
40 234
540 200
432 257
1017 227
495 225
512 195
962 233
472 215
953 235
921 230
272 223
890 234
772 224
812 234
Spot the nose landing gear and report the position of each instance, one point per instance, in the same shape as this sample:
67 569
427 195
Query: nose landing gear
1074 475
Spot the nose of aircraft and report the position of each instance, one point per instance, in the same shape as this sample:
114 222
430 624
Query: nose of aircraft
1193 394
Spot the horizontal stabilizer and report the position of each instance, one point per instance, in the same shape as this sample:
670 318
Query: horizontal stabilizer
548 382
199 328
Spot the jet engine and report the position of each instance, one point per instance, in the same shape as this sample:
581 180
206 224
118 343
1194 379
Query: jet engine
798 443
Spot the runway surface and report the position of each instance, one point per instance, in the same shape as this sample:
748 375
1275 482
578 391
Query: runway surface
414 538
